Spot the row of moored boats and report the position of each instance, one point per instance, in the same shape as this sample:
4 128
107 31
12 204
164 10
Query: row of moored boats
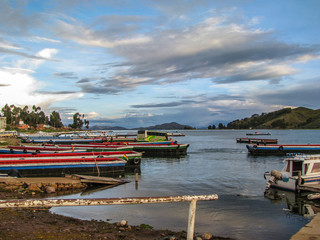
43 156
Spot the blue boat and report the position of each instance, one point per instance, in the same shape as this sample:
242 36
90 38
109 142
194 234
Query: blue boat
283 149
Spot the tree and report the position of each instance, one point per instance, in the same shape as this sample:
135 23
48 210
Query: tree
280 123
86 123
209 127
6 110
220 126
15 114
55 120
24 114
77 121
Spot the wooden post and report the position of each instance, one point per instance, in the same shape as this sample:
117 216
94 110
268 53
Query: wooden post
191 219
137 181
299 181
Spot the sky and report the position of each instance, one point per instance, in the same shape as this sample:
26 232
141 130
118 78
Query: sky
147 62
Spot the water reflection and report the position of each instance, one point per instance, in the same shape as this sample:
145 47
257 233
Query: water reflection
296 203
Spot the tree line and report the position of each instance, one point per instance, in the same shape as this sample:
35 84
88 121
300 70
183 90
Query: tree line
36 115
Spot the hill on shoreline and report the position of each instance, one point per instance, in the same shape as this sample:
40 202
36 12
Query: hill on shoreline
287 118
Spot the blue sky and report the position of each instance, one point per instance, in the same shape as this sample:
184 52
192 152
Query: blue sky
142 63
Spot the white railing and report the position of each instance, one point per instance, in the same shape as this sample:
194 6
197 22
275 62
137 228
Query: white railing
29 203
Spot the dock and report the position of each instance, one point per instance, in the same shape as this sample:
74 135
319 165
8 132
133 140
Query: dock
310 187
309 231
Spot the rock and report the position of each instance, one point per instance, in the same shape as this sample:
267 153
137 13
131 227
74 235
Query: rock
206 236
34 187
50 189
123 223
169 238
53 185
10 188
198 238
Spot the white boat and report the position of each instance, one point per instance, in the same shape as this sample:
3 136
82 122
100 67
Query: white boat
301 172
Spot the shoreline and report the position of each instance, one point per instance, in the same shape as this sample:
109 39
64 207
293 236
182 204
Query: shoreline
40 223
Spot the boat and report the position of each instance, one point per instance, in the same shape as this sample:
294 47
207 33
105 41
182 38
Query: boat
259 133
62 140
176 134
155 149
32 151
257 140
283 149
152 136
301 172
55 167
133 159
161 150
47 148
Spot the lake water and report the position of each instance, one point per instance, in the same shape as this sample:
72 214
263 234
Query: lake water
215 164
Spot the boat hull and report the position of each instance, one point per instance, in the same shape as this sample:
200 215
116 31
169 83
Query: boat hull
282 149
58 167
257 140
291 183
153 150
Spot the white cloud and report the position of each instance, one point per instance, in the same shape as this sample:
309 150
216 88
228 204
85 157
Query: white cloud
47 39
20 88
91 115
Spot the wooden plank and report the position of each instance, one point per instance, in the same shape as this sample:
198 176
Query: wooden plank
102 201
311 187
100 179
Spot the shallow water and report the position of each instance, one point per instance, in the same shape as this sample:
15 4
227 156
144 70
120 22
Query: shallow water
215 164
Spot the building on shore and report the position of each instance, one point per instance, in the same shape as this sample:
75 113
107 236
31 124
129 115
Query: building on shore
3 123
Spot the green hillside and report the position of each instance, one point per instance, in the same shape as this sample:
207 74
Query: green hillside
287 118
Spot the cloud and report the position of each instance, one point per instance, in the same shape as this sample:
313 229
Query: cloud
9 50
270 72
47 39
221 46
22 89
305 95
86 36
68 75
162 105
19 87
15 21
214 49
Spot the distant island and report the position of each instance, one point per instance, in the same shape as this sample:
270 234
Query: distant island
165 126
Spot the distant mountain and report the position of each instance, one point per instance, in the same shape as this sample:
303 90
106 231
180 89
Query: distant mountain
165 126
107 128
287 118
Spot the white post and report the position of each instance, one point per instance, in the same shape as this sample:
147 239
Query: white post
191 219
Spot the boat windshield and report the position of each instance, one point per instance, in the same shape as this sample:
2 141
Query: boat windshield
296 167
316 168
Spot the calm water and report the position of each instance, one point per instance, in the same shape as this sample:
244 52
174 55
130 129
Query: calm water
215 164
